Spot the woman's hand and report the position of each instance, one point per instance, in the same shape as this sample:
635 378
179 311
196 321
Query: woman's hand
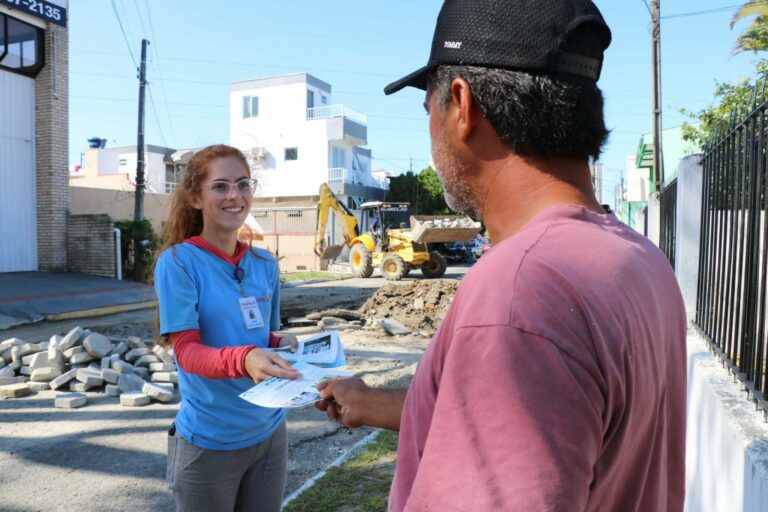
263 364
289 340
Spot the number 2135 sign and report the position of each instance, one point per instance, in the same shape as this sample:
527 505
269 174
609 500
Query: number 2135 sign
40 9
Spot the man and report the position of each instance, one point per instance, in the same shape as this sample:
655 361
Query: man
557 380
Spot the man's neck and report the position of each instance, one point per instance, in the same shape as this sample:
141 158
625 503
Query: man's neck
518 189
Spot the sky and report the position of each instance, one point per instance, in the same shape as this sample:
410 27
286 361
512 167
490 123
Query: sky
197 48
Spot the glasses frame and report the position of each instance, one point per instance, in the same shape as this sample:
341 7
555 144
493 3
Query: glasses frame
249 192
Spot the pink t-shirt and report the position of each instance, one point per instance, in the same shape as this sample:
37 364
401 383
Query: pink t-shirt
556 382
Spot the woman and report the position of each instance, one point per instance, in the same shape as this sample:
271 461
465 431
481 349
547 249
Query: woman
219 302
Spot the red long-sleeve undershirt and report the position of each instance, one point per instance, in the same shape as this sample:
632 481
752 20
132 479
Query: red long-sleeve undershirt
213 363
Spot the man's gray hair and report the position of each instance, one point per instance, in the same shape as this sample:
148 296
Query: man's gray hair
548 116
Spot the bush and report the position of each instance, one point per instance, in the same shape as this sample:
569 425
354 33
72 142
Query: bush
137 232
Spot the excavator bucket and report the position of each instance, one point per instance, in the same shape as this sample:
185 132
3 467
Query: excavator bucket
330 252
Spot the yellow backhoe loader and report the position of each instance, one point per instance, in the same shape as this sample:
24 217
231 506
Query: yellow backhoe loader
383 238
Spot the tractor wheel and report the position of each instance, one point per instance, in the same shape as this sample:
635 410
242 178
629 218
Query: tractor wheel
435 266
360 260
393 268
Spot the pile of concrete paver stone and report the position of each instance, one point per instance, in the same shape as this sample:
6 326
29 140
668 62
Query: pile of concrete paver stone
84 361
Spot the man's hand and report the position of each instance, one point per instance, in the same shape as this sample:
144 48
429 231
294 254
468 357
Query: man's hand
289 340
263 364
343 400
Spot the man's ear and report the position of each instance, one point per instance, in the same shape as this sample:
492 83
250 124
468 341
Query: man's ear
468 113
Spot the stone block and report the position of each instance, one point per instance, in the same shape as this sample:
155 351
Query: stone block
122 367
90 377
162 354
25 370
112 390
146 360
39 360
39 386
141 371
130 382
55 358
120 349
71 339
106 363
5 381
95 366
27 360
159 393
97 345
14 365
68 353
82 357
42 346
114 357
79 387
162 367
7 372
134 399
16 391
19 351
165 377
10 343
70 400
63 379
55 340
136 353
2 363
110 376
135 342
45 374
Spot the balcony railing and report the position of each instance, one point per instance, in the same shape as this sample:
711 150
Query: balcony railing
351 176
329 111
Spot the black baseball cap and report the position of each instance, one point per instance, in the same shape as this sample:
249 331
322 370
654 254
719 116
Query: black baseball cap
541 36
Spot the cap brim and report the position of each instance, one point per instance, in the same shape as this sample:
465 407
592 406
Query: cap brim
416 79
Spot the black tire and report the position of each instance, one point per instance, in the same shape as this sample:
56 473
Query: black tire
361 261
393 267
435 266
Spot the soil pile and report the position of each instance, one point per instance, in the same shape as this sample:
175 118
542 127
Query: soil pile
420 305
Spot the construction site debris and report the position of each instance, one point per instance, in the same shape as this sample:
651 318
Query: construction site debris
418 305
394 327
83 360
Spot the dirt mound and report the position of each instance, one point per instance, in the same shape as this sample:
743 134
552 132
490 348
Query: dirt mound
419 305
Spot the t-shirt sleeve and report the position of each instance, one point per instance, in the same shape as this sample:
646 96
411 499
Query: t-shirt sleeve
274 318
177 295
517 425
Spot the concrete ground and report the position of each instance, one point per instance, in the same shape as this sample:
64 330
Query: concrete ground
105 457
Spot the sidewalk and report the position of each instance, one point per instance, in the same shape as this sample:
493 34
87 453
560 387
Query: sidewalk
27 297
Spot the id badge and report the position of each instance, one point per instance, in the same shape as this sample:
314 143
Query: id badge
251 314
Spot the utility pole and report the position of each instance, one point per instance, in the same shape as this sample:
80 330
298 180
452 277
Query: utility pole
658 161
138 212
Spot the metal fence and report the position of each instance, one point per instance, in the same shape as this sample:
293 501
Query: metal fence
668 214
731 299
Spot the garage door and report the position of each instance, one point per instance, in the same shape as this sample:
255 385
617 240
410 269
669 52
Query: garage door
18 222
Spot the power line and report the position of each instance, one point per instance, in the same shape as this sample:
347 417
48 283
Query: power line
709 11
157 118
648 7
125 37
158 67
141 18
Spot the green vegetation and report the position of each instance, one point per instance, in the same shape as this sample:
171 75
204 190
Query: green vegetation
360 484
301 276
137 232
423 190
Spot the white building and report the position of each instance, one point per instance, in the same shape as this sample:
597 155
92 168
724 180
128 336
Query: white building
296 138
115 169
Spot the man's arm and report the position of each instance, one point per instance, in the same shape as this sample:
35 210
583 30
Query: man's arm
353 403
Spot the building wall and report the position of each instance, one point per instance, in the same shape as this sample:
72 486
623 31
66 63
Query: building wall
119 204
102 169
91 248
52 150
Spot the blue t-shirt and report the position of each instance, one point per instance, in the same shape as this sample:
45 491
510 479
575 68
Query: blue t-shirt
198 290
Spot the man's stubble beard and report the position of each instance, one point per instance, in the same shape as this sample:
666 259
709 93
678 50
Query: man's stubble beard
452 171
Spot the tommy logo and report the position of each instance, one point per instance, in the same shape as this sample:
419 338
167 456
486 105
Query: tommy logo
453 45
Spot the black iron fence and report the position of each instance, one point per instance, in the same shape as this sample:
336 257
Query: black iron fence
668 213
731 299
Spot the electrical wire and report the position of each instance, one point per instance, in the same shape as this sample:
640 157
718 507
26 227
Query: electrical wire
158 68
157 117
709 11
125 37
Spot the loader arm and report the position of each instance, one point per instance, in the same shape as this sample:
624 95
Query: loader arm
325 204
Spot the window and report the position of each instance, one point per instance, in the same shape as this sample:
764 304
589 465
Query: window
122 162
21 46
337 157
323 99
250 106
310 99
291 154
173 176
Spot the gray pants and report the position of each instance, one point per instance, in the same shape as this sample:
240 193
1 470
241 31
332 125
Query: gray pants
249 479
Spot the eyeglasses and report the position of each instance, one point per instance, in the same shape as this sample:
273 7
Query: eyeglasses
222 189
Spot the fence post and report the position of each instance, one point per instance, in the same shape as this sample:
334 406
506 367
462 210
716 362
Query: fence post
688 229
653 218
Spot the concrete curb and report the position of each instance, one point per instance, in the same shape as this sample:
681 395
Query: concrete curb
106 310
293 284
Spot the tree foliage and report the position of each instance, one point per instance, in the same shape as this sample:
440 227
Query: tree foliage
423 190
755 37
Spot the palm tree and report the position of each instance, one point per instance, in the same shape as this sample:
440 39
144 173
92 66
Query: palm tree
755 38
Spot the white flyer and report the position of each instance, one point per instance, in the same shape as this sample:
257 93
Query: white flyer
281 393
323 349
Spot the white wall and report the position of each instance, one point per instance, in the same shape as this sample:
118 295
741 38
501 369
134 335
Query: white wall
688 229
